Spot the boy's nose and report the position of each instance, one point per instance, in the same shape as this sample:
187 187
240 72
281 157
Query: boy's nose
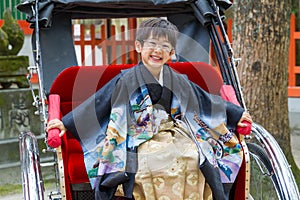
158 47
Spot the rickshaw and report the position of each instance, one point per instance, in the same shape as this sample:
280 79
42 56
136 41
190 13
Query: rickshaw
201 23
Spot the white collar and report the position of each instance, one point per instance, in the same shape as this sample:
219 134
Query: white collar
161 77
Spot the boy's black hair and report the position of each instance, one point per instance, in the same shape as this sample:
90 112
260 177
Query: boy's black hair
157 27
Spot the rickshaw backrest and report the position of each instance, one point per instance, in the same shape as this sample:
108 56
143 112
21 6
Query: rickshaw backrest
75 84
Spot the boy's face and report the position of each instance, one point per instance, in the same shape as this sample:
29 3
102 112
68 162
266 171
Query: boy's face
155 52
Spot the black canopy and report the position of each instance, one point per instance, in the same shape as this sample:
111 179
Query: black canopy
119 8
55 32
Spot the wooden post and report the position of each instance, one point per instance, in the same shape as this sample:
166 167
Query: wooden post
113 45
293 90
123 45
82 44
93 43
292 50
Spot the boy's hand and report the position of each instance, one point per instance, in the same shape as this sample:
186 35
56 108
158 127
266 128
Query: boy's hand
245 117
244 125
56 123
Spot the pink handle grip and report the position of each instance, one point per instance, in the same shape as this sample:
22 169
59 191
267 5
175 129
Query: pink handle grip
244 130
53 139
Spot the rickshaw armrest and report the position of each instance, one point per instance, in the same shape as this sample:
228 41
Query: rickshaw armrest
53 138
227 93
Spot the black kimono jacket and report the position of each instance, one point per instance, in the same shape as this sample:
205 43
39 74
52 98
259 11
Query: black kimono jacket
114 107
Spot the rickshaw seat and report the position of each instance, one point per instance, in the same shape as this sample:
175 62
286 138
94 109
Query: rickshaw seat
75 84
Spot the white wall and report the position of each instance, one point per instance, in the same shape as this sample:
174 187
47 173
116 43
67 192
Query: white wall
27 50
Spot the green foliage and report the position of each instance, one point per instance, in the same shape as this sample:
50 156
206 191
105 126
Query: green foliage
13 42
10 189
12 4
295 6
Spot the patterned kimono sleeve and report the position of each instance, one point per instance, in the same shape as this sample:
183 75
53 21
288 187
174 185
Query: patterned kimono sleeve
208 101
85 121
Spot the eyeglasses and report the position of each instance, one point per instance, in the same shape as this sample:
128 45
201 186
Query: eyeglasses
152 44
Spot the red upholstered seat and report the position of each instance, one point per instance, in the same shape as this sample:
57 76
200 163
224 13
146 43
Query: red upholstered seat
75 84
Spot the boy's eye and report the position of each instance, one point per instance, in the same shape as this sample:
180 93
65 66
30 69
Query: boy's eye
152 43
165 46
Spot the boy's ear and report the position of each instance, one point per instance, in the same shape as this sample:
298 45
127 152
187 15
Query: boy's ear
172 52
138 46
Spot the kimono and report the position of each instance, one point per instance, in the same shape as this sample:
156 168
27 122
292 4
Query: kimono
157 141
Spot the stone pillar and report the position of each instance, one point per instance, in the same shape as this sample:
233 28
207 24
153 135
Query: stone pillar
17 113
13 70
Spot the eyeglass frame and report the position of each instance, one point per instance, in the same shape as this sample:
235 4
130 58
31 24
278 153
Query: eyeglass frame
156 45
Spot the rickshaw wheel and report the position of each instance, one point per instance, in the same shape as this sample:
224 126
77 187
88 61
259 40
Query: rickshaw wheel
263 182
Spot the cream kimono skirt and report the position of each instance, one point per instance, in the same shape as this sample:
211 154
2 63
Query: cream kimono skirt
168 168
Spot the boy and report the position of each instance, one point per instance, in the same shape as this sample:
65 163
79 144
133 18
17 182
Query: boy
154 129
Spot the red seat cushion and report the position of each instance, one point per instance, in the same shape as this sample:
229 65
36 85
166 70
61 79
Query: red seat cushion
76 169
